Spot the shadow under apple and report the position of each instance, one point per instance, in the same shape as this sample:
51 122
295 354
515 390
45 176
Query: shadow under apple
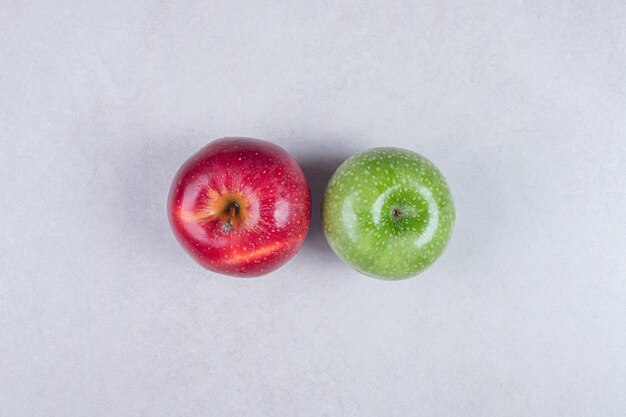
318 171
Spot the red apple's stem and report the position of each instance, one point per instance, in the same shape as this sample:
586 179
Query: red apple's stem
228 226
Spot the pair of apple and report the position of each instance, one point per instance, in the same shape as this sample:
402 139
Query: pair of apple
242 207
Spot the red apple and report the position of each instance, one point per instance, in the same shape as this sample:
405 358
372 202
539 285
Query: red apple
240 206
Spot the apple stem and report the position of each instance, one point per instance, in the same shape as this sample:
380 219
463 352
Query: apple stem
397 213
228 226
232 210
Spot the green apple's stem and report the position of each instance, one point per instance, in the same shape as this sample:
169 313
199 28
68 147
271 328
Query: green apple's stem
397 213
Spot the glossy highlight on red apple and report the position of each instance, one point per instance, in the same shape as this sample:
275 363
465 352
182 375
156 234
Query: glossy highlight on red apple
240 206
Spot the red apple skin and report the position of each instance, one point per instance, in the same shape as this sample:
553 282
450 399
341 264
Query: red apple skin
240 206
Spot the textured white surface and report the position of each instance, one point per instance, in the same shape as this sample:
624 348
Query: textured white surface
521 104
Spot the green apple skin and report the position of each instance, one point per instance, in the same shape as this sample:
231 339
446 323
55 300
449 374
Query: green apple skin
388 213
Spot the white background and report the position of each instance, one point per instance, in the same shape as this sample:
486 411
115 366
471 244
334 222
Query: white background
521 104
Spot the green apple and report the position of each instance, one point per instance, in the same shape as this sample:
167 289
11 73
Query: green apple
388 213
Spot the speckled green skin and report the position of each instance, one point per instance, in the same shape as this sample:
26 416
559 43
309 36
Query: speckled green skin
388 213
